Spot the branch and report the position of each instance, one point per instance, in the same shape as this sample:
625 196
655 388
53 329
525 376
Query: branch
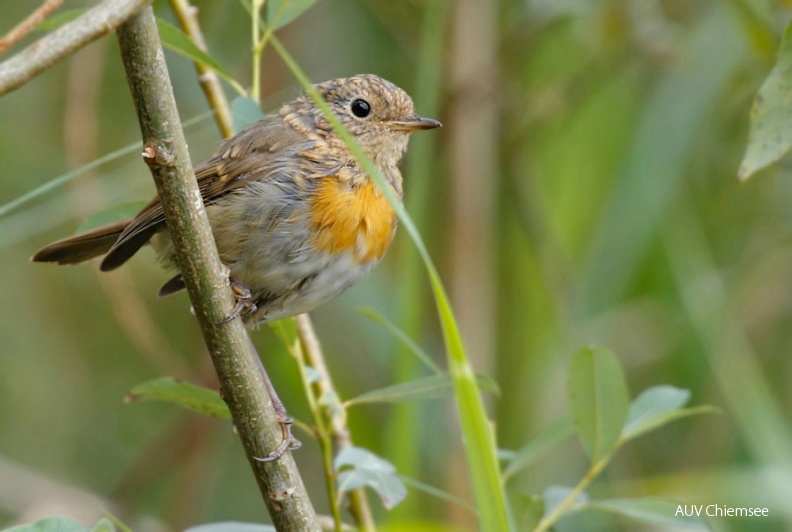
186 13
334 418
235 361
64 41
27 25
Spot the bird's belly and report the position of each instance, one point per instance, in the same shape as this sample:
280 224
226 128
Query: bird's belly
301 286
295 255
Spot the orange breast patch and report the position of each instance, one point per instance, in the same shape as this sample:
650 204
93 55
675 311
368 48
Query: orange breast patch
358 218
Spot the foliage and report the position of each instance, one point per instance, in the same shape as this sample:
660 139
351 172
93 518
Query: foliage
615 220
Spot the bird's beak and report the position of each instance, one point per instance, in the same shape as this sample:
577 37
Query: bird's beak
415 123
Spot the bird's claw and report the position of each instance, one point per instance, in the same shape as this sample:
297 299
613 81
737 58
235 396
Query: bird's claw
244 301
289 442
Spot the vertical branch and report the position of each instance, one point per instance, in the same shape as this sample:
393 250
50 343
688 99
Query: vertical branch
336 422
235 361
206 77
335 426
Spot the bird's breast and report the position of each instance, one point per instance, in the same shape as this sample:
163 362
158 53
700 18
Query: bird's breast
351 217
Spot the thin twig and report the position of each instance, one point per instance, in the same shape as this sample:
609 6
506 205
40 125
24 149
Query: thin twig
205 277
210 83
595 469
335 417
27 25
64 41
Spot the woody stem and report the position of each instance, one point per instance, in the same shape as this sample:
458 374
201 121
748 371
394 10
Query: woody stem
205 277
333 415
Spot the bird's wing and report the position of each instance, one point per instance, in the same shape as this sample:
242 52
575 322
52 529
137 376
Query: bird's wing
250 155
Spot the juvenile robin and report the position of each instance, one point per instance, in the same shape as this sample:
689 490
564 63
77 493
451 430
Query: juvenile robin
295 217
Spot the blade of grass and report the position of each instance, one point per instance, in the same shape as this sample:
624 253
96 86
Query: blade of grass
400 335
478 437
62 179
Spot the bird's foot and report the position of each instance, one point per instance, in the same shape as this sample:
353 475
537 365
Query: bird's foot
244 301
289 442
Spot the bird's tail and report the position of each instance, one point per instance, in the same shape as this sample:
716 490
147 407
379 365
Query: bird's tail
82 247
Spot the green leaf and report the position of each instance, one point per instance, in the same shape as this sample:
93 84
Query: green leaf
422 389
244 111
770 136
282 12
532 507
480 448
359 467
111 215
408 342
64 178
436 492
653 402
52 524
554 496
598 400
231 526
190 396
665 418
539 447
56 21
653 511
178 41
658 406
103 525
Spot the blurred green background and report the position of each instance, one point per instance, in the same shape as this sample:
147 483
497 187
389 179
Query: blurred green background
582 191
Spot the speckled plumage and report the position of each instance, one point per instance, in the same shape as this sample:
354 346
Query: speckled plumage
295 217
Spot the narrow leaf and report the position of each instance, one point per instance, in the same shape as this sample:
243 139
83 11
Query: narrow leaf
665 418
653 402
554 496
653 511
178 41
422 389
437 492
113 214
359 467
282 12
190 396
539 447
408 342
598 400
770 135
50 524
480 448
62 179
244 111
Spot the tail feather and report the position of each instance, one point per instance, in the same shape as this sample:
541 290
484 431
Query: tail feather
82 247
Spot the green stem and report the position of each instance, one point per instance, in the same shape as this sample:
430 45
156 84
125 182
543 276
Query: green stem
210 84
477 433
334 419
255 91
296 349
570 499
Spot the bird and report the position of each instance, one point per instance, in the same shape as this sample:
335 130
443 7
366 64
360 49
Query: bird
295 217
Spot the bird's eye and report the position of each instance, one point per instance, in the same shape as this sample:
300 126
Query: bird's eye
361 108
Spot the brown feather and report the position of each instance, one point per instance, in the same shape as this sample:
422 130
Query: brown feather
239 160
82 247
